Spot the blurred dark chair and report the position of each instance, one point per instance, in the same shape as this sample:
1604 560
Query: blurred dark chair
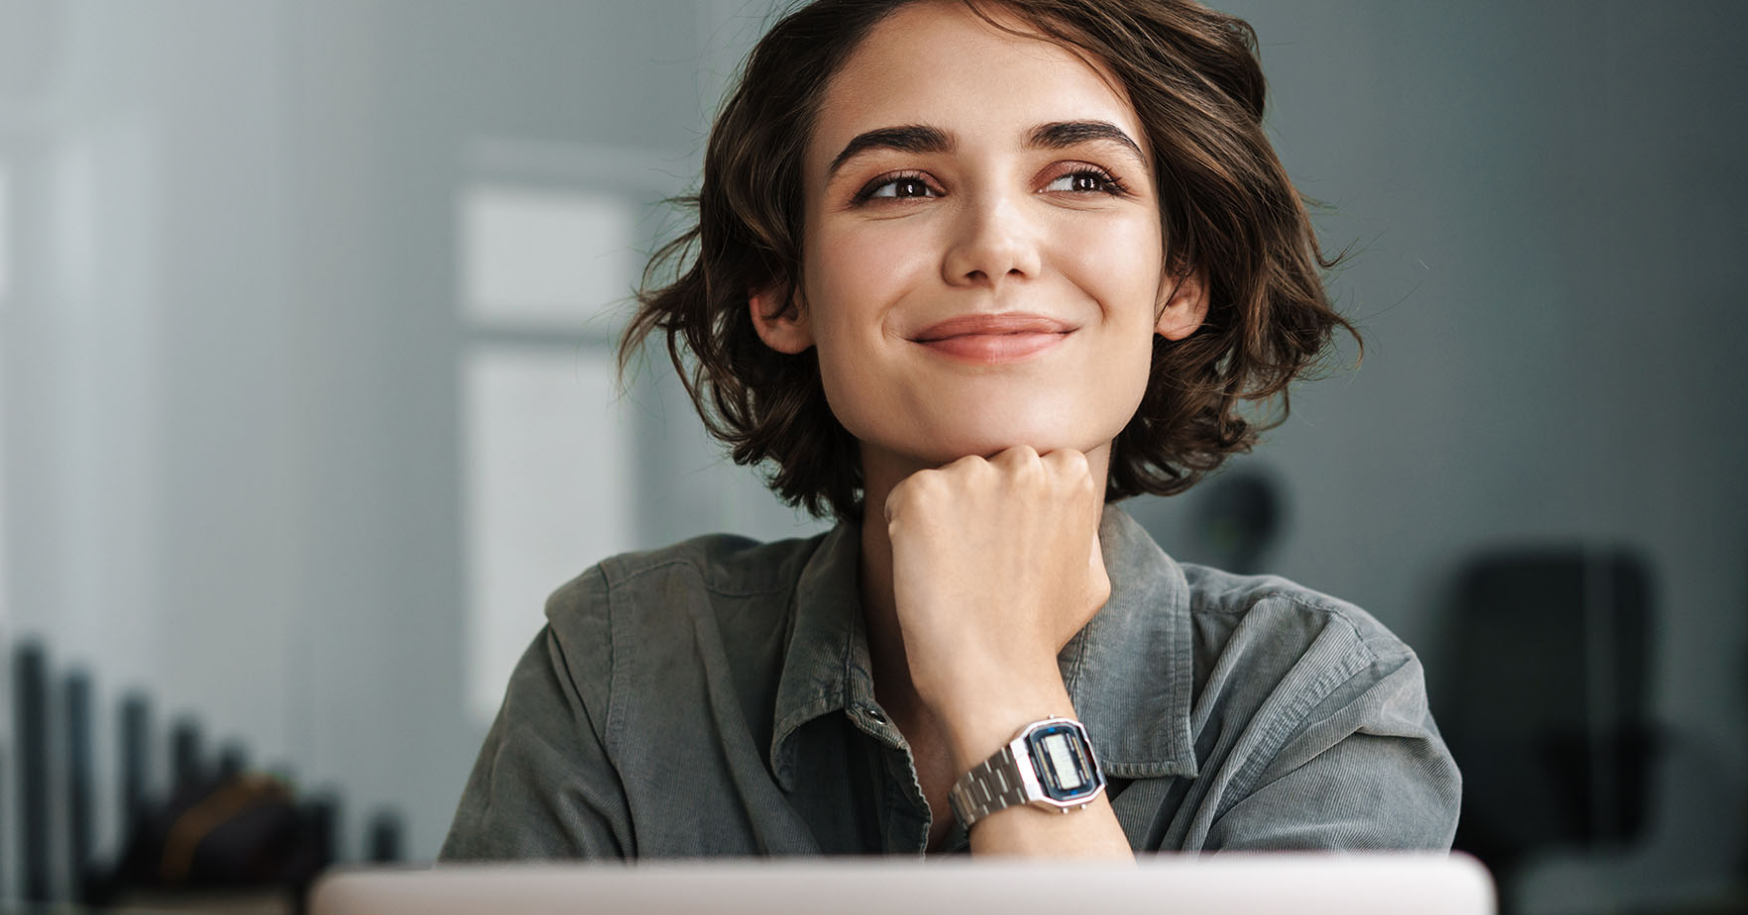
1545 705
1238 518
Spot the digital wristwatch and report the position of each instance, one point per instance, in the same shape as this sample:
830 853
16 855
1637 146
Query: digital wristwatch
1048 764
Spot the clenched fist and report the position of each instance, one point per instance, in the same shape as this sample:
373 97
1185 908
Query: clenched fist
995 566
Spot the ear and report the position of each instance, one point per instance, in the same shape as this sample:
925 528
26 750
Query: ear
784 326
1186 305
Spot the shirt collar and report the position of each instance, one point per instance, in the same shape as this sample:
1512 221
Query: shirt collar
1128 672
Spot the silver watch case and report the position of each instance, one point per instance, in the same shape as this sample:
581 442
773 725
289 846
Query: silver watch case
1009 777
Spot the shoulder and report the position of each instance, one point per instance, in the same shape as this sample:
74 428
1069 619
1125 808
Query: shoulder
1282 656
1249 612
1299 696
635 603
720 565
655 589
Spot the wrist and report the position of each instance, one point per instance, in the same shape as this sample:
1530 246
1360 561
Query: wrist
977 726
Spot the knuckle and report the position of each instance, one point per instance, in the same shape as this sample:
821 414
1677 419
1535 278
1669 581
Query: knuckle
1068 463
899 499
1072 470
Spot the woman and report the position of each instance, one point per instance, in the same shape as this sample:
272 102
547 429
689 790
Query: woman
967 274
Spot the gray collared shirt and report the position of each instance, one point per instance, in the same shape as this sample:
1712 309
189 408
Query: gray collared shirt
715 697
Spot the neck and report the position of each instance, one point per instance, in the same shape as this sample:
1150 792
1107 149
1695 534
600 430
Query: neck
881 471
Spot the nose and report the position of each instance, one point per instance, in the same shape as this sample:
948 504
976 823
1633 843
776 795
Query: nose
993 241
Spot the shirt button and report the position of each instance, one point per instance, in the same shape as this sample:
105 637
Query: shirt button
874 714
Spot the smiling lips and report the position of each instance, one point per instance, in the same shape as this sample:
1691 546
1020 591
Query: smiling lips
994 338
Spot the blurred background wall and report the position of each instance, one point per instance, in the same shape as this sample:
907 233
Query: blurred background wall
306 313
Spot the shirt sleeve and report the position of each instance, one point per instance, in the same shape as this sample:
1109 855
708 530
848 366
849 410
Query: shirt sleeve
1368 770
543 785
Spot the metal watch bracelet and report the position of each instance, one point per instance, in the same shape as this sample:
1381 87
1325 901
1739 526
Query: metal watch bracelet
991 785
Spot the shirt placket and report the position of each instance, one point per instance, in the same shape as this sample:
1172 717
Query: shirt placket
904 813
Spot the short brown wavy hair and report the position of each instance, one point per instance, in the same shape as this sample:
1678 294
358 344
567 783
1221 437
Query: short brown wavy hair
1227 208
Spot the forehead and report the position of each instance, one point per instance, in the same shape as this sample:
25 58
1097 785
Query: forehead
940 64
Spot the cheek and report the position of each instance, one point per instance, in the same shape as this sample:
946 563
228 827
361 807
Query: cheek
855 275
1117 262
866 267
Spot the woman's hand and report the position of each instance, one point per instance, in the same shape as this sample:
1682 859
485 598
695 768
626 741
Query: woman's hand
995 566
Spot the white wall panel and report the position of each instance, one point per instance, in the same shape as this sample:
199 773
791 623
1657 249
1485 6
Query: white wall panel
549 492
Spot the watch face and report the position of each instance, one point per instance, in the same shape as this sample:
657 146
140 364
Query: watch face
1064 762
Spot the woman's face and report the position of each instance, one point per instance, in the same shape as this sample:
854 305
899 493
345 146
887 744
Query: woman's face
957 173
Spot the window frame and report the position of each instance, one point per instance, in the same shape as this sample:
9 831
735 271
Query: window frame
644 178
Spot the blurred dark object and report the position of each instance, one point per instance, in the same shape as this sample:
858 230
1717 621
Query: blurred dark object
226 839
1237 519
185 765
136 724
322 813
229 830
385 838
76 707
1545 704
5 890
31 721
232 759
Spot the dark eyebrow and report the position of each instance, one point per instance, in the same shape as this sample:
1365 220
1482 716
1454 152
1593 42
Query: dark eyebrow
921 138
1063 134
916 138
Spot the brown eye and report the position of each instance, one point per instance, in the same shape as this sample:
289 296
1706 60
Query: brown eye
1089 181
896 187
905 187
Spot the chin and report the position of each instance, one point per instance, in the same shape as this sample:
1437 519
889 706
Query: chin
946 428
989 439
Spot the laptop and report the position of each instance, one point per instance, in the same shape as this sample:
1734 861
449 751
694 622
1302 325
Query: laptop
1229 883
